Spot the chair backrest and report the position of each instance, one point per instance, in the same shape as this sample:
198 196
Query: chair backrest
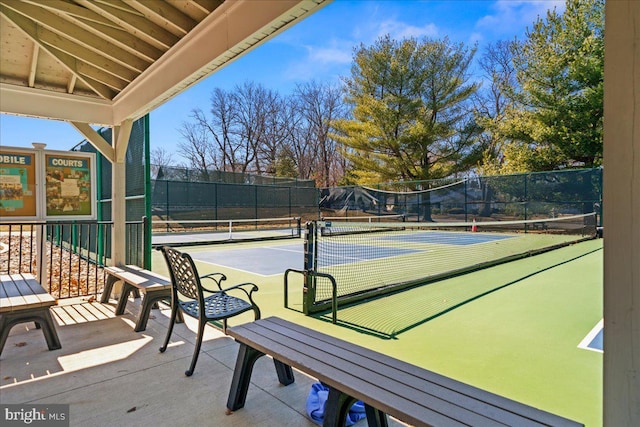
184 275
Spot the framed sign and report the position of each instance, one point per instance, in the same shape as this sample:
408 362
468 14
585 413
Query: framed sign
40 184
69 184
18 189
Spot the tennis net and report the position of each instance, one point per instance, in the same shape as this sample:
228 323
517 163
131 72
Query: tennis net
373 258
206 232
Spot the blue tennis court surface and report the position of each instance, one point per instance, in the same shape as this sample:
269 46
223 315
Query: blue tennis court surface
444 238
356 253
266 261
270 260
594 339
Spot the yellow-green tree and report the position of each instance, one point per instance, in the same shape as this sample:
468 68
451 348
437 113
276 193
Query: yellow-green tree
556 120
410 118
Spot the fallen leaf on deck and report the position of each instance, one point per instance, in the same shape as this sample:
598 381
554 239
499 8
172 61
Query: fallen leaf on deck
20 344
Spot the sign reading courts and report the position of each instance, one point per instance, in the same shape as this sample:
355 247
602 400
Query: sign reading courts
46 184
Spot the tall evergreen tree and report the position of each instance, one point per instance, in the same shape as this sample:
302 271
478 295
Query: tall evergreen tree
410 118
557 121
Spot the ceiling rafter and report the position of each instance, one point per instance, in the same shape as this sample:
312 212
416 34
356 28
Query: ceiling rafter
107 61
84 68
207 6
79 35
34 64
172 19
133 22
101 26
30 29
71 9
125 41
61 44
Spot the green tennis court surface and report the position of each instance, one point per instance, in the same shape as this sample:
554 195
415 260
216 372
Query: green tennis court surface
520 340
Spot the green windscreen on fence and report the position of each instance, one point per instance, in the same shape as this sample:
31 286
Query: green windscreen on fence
483 198
188 200
136 202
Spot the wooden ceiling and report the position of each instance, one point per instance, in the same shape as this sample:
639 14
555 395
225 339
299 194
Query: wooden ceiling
105 61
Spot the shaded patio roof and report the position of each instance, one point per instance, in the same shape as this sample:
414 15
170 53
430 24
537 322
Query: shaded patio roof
106 61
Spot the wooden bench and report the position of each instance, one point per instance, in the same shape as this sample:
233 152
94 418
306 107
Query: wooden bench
22 299
384 384
135 279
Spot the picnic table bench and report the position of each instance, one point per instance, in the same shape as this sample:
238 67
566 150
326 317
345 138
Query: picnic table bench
22 299
385 385
135 279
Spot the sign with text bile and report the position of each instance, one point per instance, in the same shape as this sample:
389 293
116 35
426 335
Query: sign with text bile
17 184
68 185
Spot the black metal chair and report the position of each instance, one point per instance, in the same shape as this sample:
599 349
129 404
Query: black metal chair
205 304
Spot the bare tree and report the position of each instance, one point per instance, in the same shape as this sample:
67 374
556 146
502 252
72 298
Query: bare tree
254 129
160 159
196 148
493 101
320 104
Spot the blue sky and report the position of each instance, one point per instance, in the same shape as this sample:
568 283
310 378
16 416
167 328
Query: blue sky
318 48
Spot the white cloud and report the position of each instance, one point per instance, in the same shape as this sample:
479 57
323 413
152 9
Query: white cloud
401 30
329 55
322 61
509 15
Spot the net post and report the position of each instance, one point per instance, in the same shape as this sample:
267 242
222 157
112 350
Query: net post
309 290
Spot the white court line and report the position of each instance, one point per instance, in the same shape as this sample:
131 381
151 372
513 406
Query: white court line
584 344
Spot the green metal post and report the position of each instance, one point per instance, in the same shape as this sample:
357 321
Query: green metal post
309 291
100 230
146 226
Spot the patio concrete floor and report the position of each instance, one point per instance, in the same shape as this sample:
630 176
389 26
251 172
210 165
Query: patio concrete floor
113 376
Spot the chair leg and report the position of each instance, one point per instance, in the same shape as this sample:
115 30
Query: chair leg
196 351
174 313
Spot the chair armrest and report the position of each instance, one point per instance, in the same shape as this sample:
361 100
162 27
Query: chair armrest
216 277
242 287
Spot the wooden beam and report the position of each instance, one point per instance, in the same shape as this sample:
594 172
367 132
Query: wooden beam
72 83
175 19
33 102
121 138
78 35
207 6
96 140
98 79
126 41
30 29
67 46
70 8
34 65
134 23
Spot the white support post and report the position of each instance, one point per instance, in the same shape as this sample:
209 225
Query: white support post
119 192
622 214
41 244
118 213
